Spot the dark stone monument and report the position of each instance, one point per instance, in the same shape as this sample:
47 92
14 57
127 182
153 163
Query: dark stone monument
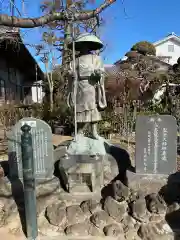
42 149
156 144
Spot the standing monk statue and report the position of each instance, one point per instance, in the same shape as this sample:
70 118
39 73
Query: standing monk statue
90 97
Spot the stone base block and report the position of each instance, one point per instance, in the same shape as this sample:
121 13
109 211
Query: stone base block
83 171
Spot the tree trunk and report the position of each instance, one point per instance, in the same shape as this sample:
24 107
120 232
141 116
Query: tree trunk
51 100
67 39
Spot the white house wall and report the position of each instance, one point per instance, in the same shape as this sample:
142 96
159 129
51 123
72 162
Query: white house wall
162 50
37 93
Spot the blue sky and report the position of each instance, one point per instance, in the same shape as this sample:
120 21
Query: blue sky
127 22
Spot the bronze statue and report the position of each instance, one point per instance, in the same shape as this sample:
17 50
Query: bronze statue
90 97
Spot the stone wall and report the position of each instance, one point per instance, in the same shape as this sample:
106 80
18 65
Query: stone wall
122 213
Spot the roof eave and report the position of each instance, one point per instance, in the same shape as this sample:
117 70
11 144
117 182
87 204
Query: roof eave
176 38
155 58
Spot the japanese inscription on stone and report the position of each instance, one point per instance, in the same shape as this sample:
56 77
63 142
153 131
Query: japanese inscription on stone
156 144
42 148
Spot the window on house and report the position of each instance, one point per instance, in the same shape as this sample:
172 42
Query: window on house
11 84
1 88
170 48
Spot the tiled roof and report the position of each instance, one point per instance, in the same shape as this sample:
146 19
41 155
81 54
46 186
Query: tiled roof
5 29
9 33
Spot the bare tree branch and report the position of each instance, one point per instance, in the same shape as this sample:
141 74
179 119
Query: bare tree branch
14 6
36 22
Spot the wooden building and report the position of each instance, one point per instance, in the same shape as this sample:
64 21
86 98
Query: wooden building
18 69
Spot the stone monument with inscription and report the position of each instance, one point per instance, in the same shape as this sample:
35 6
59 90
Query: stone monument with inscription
156 144
42 149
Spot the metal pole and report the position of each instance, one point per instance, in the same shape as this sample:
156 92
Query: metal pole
29 183
75 79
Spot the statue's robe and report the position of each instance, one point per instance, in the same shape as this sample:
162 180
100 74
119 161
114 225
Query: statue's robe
90 97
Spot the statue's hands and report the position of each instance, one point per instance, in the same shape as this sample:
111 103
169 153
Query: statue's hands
70 72
96 75
98 72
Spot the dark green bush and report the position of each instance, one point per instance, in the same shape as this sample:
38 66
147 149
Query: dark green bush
125 65
144 48
132 55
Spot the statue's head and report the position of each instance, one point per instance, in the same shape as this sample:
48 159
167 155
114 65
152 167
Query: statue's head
87 42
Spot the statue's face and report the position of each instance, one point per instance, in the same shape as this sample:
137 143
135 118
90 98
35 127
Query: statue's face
84 50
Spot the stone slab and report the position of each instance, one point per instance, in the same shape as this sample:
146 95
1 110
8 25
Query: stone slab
82 145
42 149
60 237
79 196
69 161
146 183
156 144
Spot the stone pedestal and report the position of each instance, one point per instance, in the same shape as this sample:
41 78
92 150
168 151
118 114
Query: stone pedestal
85 173
82 145
83 164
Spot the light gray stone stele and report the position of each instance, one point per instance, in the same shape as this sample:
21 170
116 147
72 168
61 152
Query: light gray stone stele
156 144
42 149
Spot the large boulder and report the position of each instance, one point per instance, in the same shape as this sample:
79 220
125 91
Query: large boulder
120 191
128 223
75 214
90 206
56 214
78 229
139 210
156 204
100 219
155 231
116 210
172 208
114 230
